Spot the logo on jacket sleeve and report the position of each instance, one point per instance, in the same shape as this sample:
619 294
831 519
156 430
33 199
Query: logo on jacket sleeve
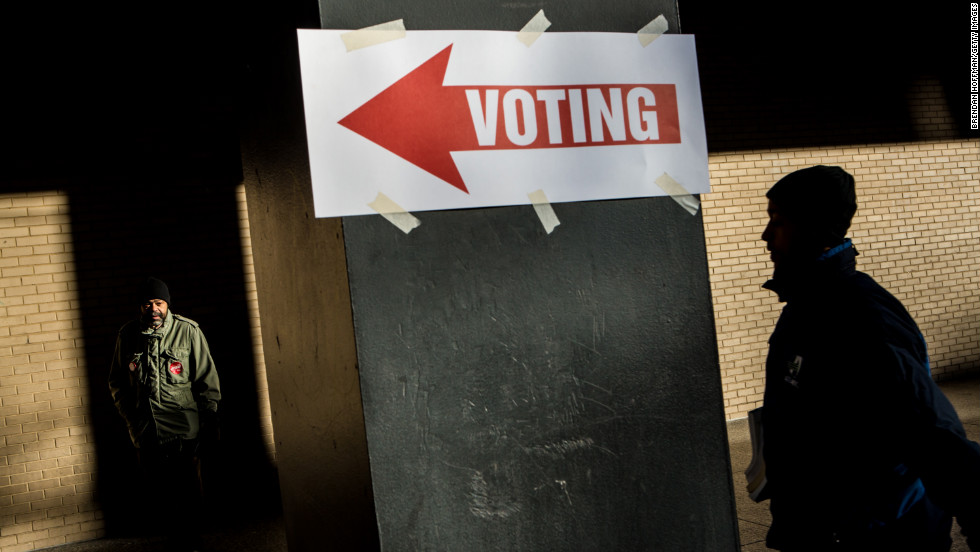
176 368
793 371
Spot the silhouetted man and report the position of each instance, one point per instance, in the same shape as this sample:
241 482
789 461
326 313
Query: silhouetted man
165 385
862 449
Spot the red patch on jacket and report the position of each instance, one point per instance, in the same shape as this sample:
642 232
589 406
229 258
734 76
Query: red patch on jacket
176 368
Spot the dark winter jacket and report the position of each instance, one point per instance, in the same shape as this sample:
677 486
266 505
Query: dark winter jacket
857 434
162 381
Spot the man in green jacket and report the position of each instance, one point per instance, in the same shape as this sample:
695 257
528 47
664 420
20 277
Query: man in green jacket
165 386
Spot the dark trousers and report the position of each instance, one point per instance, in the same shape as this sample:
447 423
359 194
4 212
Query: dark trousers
924 528
172 474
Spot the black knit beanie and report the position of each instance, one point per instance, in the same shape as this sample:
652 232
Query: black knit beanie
820 199
155 289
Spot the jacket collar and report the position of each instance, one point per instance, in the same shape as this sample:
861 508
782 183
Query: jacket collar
796 281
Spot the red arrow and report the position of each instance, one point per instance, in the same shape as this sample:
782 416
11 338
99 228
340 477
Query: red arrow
421 120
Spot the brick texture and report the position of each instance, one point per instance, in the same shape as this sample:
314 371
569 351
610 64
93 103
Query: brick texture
916 229
47 461
47 451
252 299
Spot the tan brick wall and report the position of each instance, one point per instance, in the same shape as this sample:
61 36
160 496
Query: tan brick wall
47 451
916 228
252 296
47 459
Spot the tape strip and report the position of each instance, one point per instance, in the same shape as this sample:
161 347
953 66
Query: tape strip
405 221
375 34
652 30
680 195
543 208
534 29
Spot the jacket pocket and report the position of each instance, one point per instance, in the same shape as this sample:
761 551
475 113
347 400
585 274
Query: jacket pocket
135 368
175 362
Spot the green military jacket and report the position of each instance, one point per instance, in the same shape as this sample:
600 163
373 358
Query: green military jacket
161 380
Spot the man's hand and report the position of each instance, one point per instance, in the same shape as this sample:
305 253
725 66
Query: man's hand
210 432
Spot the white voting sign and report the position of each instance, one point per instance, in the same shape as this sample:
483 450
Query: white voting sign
462 119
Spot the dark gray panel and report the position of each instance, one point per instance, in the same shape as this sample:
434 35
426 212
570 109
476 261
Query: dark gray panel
534 392
531 392
565 15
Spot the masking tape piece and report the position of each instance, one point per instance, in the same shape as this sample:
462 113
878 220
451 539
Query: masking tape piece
375 34
680 195
405 221
652 30
534 29
543 208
